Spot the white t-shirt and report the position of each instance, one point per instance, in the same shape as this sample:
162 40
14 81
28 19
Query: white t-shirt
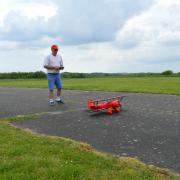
53 61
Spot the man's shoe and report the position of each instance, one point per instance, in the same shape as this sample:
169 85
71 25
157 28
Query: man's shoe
60 101
52 103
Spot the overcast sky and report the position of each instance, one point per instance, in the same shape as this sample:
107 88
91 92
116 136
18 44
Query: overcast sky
93 35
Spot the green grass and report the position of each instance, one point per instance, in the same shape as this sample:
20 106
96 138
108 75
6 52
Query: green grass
24 155
164 85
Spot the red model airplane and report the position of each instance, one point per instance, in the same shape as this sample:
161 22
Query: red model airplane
111 104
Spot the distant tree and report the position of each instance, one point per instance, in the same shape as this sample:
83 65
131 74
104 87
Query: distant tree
167 73
22 75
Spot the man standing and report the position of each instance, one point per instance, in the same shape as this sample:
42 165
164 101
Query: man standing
53 63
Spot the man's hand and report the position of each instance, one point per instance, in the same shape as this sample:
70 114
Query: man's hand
52 67
62 67
57 68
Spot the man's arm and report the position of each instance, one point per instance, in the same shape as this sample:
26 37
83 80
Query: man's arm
61 63
51 67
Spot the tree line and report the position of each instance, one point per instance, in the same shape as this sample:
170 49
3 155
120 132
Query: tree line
41 74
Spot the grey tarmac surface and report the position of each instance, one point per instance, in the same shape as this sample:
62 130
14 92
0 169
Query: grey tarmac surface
148 128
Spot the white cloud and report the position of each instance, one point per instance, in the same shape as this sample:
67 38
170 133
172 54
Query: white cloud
154 35
75 22
157 25
94 57
28 9
34 10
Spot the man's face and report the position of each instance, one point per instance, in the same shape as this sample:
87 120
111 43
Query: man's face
54 51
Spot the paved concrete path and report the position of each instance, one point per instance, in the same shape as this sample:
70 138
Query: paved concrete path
148 129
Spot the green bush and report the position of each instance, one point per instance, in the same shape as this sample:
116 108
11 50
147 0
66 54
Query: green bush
167 73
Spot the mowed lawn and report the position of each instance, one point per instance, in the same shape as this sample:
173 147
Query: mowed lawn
165 85
24 155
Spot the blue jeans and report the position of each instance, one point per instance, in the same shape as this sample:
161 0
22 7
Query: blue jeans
54 79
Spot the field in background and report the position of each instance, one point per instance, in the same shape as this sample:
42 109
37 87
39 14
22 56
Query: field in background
164 85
